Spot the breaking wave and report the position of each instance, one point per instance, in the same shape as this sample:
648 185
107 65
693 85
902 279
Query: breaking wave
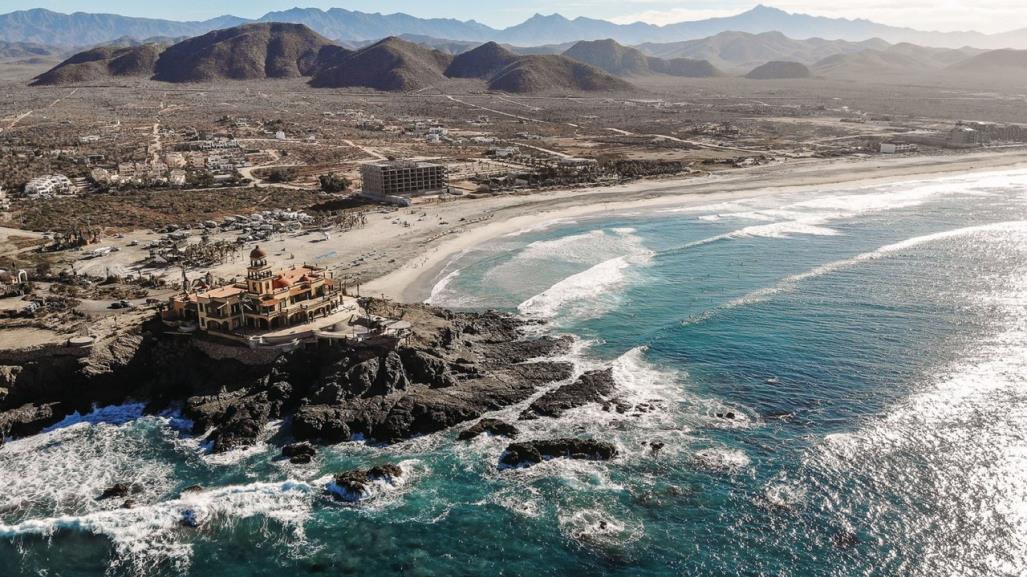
790 283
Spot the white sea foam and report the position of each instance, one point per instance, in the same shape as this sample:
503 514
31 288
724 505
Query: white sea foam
63 470
812 217
790 283
960 435
583 289
542 226
784 495
147 536
441 286
598 528
721 460
112 415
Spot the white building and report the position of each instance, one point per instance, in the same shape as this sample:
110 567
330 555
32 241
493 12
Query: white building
100 175
175 160
176 177
895 148
49 185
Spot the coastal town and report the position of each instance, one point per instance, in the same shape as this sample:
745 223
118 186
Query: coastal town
647 288
114 205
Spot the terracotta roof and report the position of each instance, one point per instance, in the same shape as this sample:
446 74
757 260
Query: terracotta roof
294 276
224 292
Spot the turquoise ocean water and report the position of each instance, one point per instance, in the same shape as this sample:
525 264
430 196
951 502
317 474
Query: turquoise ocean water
871 343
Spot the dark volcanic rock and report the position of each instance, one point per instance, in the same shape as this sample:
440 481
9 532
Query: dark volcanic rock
591 387
117 490
423 367
299 453
525 350
420 414
237 418
380 389
356 485
321 423
493 427
29 419
534 452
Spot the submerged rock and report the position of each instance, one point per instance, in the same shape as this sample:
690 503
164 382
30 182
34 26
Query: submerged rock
193 518
591 387
845 540
117 490
299 453
358 485
534 452
494 427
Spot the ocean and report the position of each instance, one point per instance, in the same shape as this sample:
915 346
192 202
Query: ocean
869 345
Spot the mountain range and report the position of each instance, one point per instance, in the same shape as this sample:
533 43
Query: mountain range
277 50
86 29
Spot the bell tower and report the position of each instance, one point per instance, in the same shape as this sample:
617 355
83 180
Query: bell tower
258 274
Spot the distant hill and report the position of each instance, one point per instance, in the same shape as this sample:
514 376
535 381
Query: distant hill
248 52
612 57
392 64
684 67
901 60
397 65
779 70
353 25
85 29
482 62
995 62
552 73
739 52
26 50
103 63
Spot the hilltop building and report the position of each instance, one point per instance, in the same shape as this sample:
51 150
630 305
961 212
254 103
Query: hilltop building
399 178
267 300
49 185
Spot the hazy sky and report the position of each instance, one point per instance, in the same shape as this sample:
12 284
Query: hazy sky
982 15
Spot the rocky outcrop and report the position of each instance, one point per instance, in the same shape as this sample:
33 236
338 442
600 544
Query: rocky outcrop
299 453
361 484
591 387
423 367
533 452
452 368
29 419
493 427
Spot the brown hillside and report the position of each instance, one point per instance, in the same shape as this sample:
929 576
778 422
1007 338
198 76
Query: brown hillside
779 70
684 67
482 62
620 60
102 63
610 56
392 65
549 73
995 61
248 52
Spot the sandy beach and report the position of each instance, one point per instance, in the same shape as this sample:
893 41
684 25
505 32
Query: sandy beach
413 280
400 252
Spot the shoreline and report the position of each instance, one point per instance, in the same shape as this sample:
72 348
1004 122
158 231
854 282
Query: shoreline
413 280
